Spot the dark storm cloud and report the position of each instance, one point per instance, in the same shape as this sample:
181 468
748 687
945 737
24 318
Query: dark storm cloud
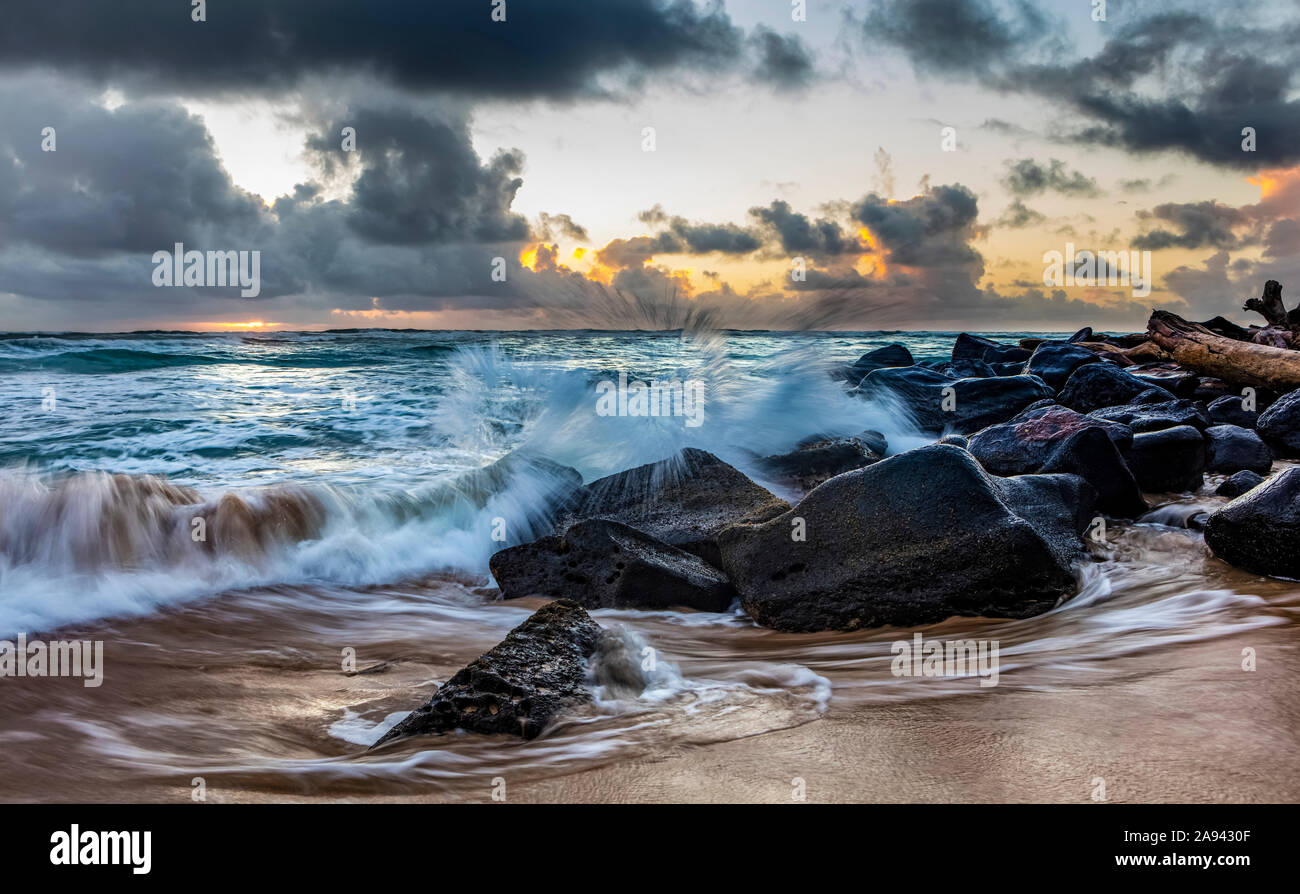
1027 177
136 178
422 182
1196 224
929 230
953 36
799 233
556 48
1178 81
706 238
783 61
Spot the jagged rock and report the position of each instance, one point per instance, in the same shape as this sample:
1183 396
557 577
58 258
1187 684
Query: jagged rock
912 540
1094 386
1024 444
1238 484
684 500
1231 448
605 564
1172 459
1259 530
517 686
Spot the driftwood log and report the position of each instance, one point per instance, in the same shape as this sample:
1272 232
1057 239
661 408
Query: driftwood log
1239 362
1283 329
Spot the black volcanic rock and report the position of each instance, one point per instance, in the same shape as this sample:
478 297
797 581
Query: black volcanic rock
605 564
889 355
1230 410
1172 459
1022 445
1093 456
684 500
1095 386
1280 424
971 405
975 347
1238 484
809 464
913 539
517 686
1231 448
1259 530
1156 416
1055 361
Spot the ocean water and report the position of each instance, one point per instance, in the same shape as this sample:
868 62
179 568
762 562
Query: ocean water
338 472
365 425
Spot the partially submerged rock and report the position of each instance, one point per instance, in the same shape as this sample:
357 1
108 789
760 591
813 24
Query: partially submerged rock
911 540
684 501
600 563
811 463
1259 530
1231 448
1238 484
517 686
889 355
976 347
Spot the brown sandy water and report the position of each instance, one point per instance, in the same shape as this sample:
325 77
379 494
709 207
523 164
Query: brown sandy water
1137 681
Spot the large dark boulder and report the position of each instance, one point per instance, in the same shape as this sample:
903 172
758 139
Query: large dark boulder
889 355
1055 361
1238 484
518 685
1093 456
1280 424
1097 385
914 539
1172 459
1230 410
605 564
809 464
684 500
1024 444
1259 530
1156 416
1231 448
971 405
975 347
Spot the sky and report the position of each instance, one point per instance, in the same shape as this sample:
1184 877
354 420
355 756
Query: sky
645 163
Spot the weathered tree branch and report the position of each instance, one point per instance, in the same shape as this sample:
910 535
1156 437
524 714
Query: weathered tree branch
1283 329
1198 349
